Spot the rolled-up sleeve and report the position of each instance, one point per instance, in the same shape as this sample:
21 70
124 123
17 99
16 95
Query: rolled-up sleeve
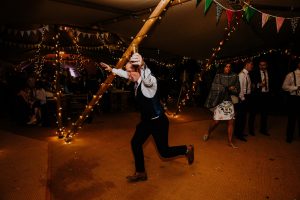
120 72
288 84
149 82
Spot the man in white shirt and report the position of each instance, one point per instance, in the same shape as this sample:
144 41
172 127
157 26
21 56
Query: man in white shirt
241 107
291 84
153 119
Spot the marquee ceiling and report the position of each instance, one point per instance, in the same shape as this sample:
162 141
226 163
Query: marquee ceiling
183 30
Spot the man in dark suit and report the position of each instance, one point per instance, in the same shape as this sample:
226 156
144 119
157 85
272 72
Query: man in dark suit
260 97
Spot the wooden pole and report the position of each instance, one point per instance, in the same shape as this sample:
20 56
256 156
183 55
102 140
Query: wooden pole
123 60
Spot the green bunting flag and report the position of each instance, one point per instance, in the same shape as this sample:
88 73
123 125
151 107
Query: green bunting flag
207 5
198 2
249 12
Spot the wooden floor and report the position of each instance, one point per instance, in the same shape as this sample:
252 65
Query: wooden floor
34 164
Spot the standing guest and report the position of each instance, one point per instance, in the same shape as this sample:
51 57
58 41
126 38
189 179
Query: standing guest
291 84
224 87
242 106
41 97
22 110
260 98
153 120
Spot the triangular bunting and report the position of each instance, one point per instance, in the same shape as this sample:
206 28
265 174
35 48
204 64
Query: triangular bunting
197 3
28 33
249 12
34 32
238 16
279 22
22 33
207 5
219 12
229 14
264 19
294 24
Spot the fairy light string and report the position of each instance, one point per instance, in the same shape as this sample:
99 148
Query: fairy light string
58 91
39 61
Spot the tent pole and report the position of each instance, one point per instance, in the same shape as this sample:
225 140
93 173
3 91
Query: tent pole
122 61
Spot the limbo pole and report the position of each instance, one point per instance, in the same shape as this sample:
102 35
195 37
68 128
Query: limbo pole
155 15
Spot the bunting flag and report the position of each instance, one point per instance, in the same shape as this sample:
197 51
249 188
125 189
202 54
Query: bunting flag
294 24
229 14
197 3
249 12
264 19
97 35
279 22
207 5
238 16
219 12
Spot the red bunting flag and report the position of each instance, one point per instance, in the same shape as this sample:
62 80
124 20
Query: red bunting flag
279 22
238 16
264 19
229 14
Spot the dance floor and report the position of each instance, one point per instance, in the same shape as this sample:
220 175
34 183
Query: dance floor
35 164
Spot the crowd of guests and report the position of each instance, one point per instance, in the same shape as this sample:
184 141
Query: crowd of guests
236 97
239 98
30 104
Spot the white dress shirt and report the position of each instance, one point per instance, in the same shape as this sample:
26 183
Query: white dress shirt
149 82
289 83
245 84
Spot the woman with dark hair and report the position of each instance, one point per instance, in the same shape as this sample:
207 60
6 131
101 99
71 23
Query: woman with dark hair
223 94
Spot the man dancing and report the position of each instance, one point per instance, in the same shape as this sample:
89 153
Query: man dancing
153 119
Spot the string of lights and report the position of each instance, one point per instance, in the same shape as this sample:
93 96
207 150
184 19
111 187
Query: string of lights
75 40
39 60
58 92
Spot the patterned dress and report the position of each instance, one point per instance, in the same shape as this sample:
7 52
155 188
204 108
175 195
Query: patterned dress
219 98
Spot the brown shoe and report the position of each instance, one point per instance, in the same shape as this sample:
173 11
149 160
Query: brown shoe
138 176
190 154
